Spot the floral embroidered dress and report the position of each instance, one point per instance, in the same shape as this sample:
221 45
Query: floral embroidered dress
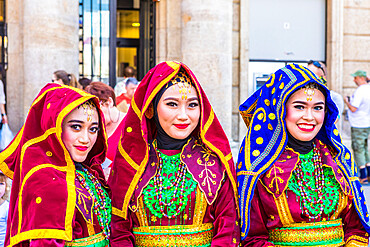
292 199
55 202
163 197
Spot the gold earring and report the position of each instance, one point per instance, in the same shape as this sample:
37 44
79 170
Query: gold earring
149 113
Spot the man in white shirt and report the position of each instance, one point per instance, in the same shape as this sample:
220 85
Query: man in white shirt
359 118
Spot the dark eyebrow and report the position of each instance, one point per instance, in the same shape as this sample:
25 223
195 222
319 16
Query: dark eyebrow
75 121
81 122
193 98
171 98
305 103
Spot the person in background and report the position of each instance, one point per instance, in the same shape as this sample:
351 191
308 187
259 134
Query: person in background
319 68
120 86
84 82
297 185
359 118
4 118
173 177
113 119
4 208
63 78
124 100
59 196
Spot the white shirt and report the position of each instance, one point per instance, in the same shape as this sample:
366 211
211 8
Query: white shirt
361 100
4 208
2 94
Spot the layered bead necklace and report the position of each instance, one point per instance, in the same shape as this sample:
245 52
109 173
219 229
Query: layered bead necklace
305 183
101 202
167 192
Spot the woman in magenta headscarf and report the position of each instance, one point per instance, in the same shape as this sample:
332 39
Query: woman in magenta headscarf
59 196
173 179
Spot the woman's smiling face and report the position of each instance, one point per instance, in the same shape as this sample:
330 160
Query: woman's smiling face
178 115
79 132
304 117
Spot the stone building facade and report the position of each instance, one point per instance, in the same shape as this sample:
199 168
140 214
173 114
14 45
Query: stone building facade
210 36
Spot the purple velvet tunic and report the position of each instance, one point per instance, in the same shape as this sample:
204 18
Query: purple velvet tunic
273 186
219 203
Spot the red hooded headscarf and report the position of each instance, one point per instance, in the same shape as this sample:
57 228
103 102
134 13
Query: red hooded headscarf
43 196
133 149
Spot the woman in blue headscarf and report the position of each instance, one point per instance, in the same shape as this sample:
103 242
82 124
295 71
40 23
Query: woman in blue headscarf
297 182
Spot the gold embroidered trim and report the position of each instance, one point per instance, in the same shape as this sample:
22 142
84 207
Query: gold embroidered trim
141 213
283 210
90 228
342 204
200 207
323 233
357 241
86 241
178 235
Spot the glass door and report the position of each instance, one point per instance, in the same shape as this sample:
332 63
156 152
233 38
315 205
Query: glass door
128 41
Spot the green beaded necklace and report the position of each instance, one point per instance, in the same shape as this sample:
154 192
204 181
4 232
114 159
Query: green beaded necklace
167 192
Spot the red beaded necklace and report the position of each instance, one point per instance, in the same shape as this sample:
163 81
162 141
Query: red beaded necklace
319 185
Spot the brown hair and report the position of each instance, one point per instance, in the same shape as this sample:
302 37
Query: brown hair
102 91
4 179
68 79
84 82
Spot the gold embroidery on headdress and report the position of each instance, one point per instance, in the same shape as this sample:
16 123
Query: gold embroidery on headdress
88 109
184 84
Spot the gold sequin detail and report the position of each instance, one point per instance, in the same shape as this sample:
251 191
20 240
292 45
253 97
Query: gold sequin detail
257 127
38 200
259 140
48 153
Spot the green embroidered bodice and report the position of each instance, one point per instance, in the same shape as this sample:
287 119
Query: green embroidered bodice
167 187
331 187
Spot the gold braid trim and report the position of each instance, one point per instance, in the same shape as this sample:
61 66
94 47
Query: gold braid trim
342 204
200 207
88 241
357 241
141 213
323 233
283 210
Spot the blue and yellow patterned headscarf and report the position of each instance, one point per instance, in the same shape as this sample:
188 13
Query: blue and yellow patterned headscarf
266 138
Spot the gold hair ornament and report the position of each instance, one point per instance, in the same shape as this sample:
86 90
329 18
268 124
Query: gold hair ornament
88 108
184 84
309 91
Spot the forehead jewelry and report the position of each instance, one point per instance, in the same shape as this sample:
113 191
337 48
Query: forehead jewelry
183 82
309 91
88 110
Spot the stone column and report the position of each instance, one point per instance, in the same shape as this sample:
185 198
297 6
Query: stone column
335 44
43 38
206 47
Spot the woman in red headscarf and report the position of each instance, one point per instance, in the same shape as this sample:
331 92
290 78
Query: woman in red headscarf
58 197
173 179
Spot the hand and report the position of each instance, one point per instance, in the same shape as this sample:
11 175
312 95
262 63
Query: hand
4 119
346 100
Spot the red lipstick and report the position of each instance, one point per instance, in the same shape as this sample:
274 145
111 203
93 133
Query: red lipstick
306 128
81 148
181 126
